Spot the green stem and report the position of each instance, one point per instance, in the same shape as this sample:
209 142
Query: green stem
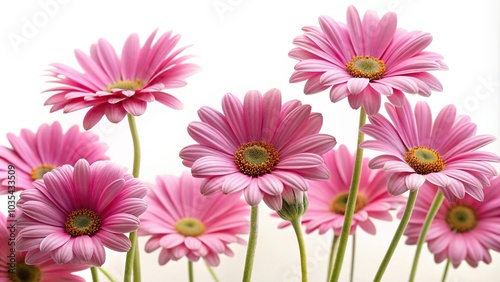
132 260
353 257
436 203
445 273
351 201
95 274
107 274
212 272
332 255
397 235
252 243
302 249
190 271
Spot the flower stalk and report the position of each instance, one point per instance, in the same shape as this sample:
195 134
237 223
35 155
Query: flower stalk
302 249
252 244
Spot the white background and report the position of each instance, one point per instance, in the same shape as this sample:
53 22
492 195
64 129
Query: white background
241 48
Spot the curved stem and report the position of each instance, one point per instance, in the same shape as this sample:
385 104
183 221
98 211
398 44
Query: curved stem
445 273
397 235
332 255
132 260
351 201
252 243
302 249
190 271
351 276
107 274
95 275
212 272
436 203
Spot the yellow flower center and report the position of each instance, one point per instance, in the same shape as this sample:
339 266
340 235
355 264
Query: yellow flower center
461 218
125 85
424 160
339 203
38 172
25 273
190 227
367 67
256 158
82 222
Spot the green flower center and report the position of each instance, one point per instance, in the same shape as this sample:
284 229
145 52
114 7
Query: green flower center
461 218
125 85
424 160
339 203
38 172
256 158
190 227
367 67
82 222
25 273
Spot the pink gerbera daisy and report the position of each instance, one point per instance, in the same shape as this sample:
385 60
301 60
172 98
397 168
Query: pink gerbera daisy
364 59
73 213
115 86
13 266
34 154
463 230
442 153
183 222
258 146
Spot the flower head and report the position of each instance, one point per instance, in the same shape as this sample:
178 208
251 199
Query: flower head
114 86
259 146
463 230
418 150
365 58
183 222
74 212
35 153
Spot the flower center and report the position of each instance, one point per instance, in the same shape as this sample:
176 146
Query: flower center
125 85
82 222
189 226
461 218
339 203
256 158
367 67
424 160
25 273
38 172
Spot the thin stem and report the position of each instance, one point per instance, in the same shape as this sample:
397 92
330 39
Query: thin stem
252 243
397 235
332 255
445 273
95 274
353 257
107 274
212 272
132 260
436 203
190 271
302 248
351 201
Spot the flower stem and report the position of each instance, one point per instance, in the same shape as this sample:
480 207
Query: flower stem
107 274
252 243
95 274
332 255
302 248
399 232
351 201
351 276
212 272
190 271
445 273
436 203
132 260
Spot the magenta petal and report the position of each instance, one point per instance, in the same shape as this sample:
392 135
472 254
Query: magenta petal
355 85
273 202
114 241
252 193
83 248
134 107
270 184
235 182
54 241
213 166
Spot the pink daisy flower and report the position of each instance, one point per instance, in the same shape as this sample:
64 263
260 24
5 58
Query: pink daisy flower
418 150
328 199
259 147
114 86
183 222
34 154
365 58
463 230
13 266
73 213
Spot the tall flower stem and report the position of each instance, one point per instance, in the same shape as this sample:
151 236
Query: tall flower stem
436 203
95 274
351 201
107 274
212 272
302 249
353 257
332 255
132 260
397 235
445 273
252 244
190 271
